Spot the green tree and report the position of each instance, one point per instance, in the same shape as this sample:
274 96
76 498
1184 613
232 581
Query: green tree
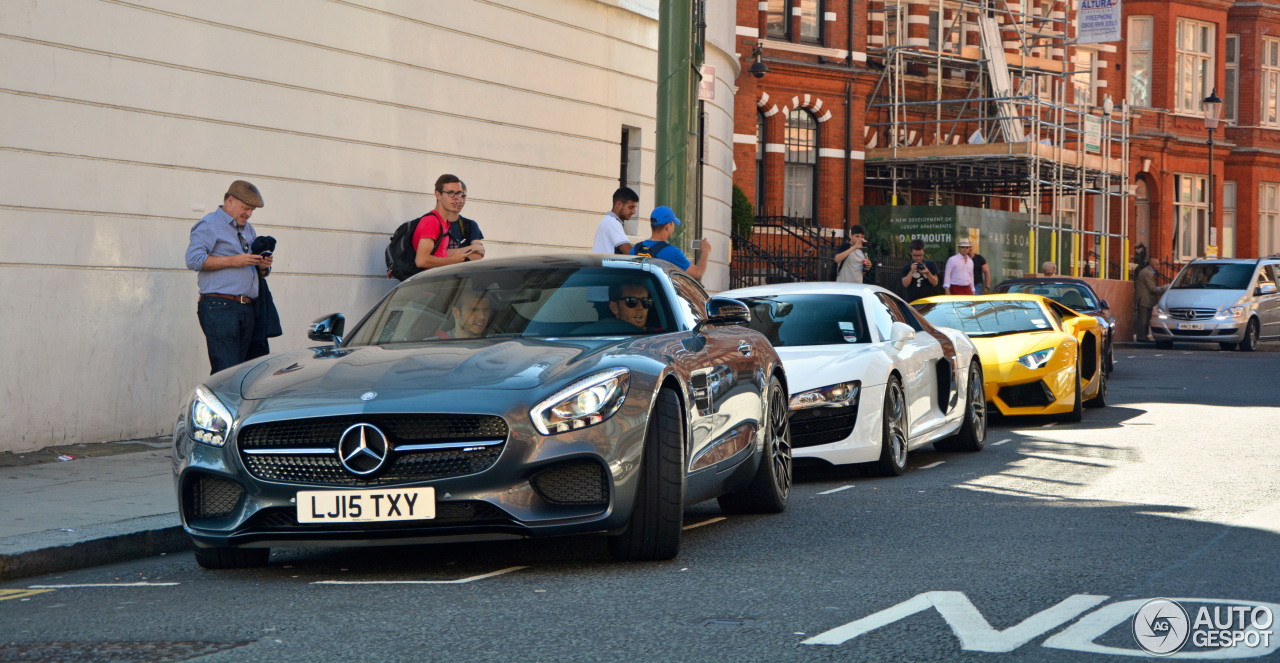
744 216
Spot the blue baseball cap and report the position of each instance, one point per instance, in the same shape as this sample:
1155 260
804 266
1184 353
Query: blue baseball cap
662 215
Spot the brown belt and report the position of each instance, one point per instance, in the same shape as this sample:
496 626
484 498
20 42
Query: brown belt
235 298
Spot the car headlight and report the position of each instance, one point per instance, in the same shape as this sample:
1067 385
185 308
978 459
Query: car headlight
1036 359
583 403
1230 312
836 395
210 420
1160 312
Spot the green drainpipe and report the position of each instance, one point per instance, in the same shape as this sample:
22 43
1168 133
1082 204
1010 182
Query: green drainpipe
678 60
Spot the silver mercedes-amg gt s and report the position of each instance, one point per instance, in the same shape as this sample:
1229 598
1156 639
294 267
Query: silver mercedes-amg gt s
500 399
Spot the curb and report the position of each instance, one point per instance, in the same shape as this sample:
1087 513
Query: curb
153 535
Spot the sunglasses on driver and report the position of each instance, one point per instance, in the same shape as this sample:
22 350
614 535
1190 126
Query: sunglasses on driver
632 302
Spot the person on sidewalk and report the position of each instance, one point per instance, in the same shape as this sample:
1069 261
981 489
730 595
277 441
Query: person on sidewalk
663 222
610 235
981 274
228 271
958 279
851 257
1146 295
431 237
919 272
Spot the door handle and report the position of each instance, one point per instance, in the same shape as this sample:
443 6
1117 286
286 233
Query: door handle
744 348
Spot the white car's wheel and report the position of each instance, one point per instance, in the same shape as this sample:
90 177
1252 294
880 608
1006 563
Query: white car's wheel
893 444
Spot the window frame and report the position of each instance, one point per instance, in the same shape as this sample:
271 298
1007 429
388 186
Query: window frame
785 33
792 140
817 22
1227 238
1201 77
1135 47
1231 81
1195 233
762 136
1269 83
1268 229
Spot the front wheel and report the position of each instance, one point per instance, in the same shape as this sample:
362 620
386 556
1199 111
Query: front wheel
771 486
1099 399
1077 409
1250 341
972 435
893 437
657 515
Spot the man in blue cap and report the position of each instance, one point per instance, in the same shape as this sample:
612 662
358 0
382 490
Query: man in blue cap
663 222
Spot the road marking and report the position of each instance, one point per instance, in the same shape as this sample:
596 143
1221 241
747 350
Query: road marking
108 584
460 581
836 490
1050 424
6 594
1002 442
933 464
705 522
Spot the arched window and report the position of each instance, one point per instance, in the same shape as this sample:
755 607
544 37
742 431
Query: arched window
1142 215
760 197
800 189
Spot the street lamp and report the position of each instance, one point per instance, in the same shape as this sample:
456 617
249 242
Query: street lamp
1212 110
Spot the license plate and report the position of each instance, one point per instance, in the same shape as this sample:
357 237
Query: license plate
366 506
1190 325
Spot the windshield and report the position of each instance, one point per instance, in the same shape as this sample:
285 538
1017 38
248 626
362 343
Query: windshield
1217 276
796 320
987 317
1071 295
546 302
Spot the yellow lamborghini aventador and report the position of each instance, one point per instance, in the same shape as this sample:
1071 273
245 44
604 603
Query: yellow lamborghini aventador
1038 356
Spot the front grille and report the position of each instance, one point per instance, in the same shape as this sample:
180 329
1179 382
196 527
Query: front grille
447 513
401 466
1191 313
822 425
1031 394
1192 332
210 497
580 482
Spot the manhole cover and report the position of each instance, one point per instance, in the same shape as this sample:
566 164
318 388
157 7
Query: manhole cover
110 652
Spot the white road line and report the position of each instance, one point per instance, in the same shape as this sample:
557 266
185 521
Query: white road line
1002 442
835 490
1050 424
419 582
705 522
933 464
108 584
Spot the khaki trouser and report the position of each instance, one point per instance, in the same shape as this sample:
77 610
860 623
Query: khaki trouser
1142 324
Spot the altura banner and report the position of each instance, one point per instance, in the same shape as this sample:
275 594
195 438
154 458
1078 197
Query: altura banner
1099 21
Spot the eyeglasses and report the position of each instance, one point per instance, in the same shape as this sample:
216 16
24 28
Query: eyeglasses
632 302
455 194
244 244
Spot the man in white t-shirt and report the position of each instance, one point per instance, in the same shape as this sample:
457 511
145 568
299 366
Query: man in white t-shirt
610 236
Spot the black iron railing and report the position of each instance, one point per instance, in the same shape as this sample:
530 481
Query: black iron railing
783 249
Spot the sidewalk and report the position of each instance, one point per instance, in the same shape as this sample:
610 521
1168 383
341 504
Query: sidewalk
114 502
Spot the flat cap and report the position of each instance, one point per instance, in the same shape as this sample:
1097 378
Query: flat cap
245 193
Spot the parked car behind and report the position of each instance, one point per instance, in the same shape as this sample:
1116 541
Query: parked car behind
1076 295
1231 302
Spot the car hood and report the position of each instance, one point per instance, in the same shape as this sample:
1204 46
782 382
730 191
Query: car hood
1201 298
446 365
996 350
812 366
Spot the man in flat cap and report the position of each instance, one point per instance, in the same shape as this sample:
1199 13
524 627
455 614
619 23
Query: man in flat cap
228 274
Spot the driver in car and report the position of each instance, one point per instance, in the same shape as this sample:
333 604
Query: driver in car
630 303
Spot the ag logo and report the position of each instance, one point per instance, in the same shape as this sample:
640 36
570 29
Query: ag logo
1161 627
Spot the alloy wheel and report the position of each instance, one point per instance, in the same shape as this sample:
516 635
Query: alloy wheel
978 407
780 442
898 425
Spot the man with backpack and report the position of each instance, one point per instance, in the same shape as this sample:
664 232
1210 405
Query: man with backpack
423 243
663 223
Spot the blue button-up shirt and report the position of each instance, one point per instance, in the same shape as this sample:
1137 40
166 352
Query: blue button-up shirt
216 235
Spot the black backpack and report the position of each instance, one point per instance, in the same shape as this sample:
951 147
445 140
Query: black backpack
650 251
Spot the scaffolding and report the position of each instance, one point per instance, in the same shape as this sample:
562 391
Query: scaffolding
972 100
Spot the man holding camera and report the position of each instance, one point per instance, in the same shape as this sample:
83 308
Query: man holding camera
920 276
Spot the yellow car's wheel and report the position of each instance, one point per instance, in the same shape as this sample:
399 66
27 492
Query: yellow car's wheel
1077 410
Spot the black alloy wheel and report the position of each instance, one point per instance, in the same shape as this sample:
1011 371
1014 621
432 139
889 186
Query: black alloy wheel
657 515
771 486
972 435
1250 341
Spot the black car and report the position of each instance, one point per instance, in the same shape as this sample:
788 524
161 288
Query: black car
1076 295
493 400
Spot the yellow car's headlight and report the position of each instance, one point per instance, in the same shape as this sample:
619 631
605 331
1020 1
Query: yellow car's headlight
1036 359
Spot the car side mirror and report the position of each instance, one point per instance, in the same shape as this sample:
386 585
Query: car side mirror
1265 289
900 333
725 311
1103 303
328 328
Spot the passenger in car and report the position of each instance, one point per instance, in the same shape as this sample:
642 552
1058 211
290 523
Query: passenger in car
471 314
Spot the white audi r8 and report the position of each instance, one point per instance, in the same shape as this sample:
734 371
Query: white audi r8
870 378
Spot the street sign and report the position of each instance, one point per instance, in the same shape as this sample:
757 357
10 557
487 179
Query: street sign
1099 21
1092 133
707 85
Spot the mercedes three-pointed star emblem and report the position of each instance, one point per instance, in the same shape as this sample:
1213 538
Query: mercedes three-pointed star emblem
363 449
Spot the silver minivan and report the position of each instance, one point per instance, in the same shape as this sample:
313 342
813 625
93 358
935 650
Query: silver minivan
1231 302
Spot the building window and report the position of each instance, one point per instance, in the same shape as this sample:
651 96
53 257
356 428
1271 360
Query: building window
811 20
1082 78
1191 213
1227 243
1139 43
1268 219
1231 98
1195 65
760 136
779 19
629 173
802 164
1270 86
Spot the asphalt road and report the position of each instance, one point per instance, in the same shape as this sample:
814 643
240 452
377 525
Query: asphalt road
1171 491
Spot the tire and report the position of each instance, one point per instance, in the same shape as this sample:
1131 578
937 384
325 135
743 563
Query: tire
232 558
1099 399
1250 341
893 430
657 515
972 435
1077 411
1227 346
1164 345
771 486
